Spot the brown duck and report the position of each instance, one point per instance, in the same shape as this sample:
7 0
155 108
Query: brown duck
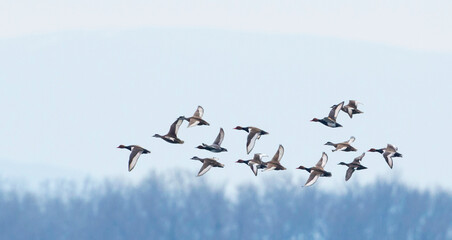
316 171
196 119
343 146
351 108
275 163
255 163
330 121
254 133
388 153
136 152
355 165
216 146
171 136
207 164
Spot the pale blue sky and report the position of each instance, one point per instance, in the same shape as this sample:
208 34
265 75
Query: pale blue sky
79 80
417 24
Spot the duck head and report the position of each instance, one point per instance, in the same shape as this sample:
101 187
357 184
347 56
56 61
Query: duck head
242 128
304 168
315 120
126 147
342 163
375 150
329 143
242 161
195 158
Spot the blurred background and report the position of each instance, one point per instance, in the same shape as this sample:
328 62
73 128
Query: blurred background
80 78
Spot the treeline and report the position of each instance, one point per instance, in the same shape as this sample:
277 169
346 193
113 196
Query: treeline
156 209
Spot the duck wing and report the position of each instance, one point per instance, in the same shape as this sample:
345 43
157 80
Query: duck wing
358 159
349 111
134 155
312 178
219 138
199 112
351 140
349 173
206 166
253 167
353 104
391 148
251 140
278 155
335 111
323 160
388 157
258 157
175 127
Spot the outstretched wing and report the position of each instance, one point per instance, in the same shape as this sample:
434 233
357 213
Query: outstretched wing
349 173
205 167
219 138
175 127
279 154
133 158
388 158
335 111
351 140
258 157
349 111
358 159
251 140
353 104
391 148
323 160
199 112
253 167
312 178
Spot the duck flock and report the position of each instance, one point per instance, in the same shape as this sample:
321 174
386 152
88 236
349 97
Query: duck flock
255 133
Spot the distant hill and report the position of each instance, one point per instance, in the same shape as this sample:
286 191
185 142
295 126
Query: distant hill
193 210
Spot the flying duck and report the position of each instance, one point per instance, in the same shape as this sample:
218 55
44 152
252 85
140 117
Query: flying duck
388 153
255 163
351 108
330 121
216 146
171 136
343 146
355 165
275 164
316 171
253 134
196 119
208 163
136 151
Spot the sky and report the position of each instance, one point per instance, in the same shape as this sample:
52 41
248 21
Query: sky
80 78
